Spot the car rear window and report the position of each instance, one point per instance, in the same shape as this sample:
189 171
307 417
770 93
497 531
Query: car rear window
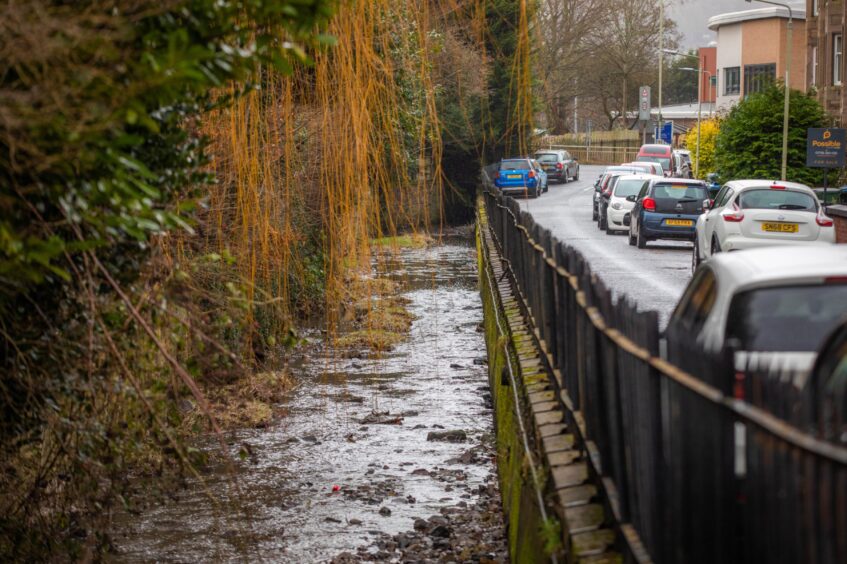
628 187
786 318
547 158
680 191
647 150
769 199
663 162
515 165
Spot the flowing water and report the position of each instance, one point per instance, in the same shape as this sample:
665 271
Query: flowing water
280 503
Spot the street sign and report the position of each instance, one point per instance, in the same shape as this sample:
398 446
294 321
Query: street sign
825 147
665 134
644 103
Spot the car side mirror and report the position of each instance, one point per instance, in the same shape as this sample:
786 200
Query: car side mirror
630 198
707 204
626 219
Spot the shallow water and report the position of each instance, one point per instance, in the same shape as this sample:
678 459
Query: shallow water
281 506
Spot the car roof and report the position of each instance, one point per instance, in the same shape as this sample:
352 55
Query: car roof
770 266
638 176
764 182
549 151
691 181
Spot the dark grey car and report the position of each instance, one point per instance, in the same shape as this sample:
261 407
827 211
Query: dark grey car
559 165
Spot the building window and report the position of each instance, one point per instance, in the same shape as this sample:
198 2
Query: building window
837 54
814 80
814 7
758 77
731 81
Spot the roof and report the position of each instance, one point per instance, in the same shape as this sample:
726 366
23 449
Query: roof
731 18
778 264
762 182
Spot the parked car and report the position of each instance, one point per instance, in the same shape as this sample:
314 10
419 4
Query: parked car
518 176
685 155
827 384
667 209
661 154
755 213
622 200
778 304
647 168
712 183
544 181
681 165
602 183
559 165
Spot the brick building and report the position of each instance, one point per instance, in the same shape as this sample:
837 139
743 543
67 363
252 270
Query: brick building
825 55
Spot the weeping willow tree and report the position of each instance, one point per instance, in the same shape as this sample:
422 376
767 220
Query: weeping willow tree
183 181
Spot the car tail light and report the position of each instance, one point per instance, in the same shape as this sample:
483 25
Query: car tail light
823 220
531 174
649 204
777 187
738 387
835 280
559 166
733 215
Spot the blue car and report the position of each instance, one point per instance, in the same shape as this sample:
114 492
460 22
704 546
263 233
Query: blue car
667 208
520 176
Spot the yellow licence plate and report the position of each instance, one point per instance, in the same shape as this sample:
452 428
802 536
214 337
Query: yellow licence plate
679 222
513 176
780 227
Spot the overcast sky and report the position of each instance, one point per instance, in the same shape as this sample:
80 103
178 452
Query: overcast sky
692 17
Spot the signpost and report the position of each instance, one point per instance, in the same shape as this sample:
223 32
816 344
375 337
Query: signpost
825 149
665 133
644 110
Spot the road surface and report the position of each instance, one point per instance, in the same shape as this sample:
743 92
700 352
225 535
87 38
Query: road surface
654 277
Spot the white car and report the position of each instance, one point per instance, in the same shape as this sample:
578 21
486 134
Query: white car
748 214
622 200
774 306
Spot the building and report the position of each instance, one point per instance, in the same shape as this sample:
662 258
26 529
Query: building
751 51
825 55
708 80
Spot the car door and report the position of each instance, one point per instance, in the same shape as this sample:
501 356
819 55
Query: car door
711 220
696 305
635 214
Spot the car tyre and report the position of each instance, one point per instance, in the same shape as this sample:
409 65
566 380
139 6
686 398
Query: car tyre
593 214
716 247
641 240
695 256
609 230
577 174
601 221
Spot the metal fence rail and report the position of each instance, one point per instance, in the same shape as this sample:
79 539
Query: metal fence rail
696 464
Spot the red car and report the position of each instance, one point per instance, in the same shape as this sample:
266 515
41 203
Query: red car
662 154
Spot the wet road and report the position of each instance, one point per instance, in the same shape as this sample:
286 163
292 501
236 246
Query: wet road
654 277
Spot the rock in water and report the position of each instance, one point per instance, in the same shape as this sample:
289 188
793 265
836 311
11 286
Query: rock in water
455 436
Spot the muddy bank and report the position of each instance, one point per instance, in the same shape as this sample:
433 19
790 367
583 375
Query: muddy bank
357 458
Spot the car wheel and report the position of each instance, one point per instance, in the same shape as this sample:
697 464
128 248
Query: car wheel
608 228
601 222
593 213
641 240
695 256
631 238
716 247
577 174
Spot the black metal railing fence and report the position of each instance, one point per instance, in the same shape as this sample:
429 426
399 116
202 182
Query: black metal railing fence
689 469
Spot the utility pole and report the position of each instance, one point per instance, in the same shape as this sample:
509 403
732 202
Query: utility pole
661 55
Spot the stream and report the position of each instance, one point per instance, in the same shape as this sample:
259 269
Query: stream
323 484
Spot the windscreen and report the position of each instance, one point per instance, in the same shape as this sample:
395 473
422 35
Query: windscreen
681 192
769 199
786 318
628 187
655 150
547 158
515 165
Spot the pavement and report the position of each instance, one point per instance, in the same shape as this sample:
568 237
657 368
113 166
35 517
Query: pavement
654 277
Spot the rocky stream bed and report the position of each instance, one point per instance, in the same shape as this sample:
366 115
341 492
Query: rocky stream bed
386 459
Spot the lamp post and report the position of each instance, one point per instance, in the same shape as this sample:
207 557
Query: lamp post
788 46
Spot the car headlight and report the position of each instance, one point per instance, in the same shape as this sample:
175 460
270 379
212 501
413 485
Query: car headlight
616 206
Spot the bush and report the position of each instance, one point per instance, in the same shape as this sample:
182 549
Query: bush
708 137
749 144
